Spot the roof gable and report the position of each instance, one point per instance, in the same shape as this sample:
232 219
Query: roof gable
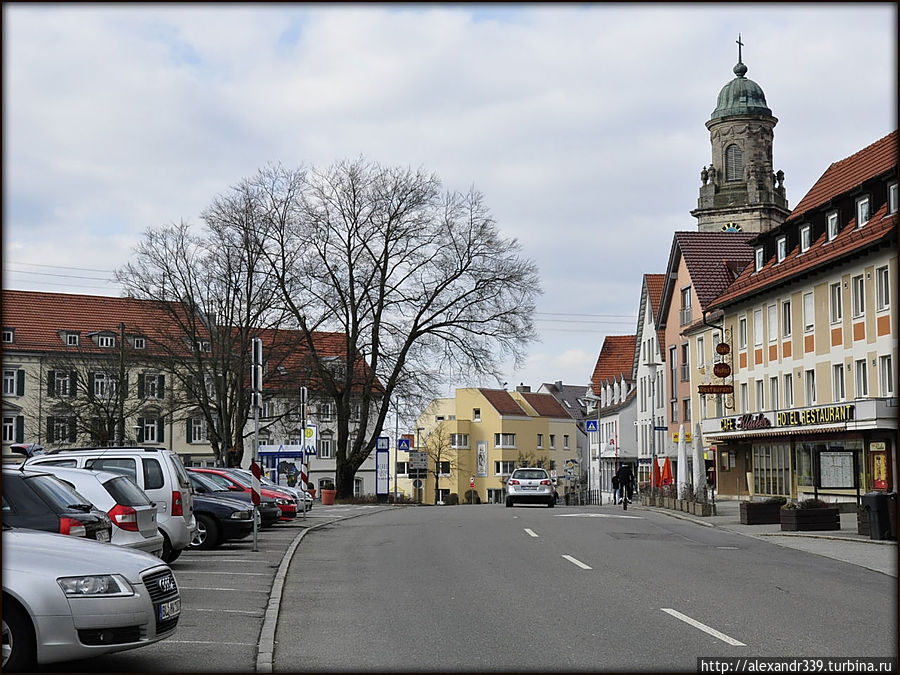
615 360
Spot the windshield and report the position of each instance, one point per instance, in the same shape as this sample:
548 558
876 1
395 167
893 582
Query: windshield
206 483
56 493
180 471
126 493
534 474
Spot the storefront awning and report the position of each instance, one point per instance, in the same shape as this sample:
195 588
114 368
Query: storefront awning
770 432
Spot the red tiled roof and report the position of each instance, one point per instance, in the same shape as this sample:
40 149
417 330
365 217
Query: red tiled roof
616 359
850 239
848 173
545 405
502 402
712 259
655 284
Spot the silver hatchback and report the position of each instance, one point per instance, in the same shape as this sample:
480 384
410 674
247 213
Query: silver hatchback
532 485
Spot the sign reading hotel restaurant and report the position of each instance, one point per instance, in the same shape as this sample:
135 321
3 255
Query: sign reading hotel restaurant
789 418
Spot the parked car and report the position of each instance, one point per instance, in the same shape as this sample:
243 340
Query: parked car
39 501
66 598
205 486
299 495
530 484
220 519
132 513
157 471
236 483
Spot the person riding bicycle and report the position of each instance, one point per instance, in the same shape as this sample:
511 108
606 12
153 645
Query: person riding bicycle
626 481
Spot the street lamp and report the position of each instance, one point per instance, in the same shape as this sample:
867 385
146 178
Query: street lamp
591 396
652 365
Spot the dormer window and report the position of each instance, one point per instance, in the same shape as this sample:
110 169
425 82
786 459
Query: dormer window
140 343
832 225
805 238
759 257
8 335
781 248
72 339
892 197
862 211
106 341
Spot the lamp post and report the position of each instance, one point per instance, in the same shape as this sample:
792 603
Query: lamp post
652 365
591 396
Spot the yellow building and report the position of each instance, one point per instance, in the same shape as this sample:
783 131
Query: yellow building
481 435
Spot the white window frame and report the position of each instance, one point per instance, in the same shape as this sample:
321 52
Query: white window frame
502 440
504 467
552 441
540 440
701 352
892 197
61 383
886 375
863 211
759 257
151 424
459 441
324 449
760 395
882 288
106 341
805 238
788 390
781 248
838 384
9 335
152 390
565 441
809 313
742 332
836 302
476 414
757 327
810 386
774 398
72 339
9 429
858 295
745 398
861 378
103 385
198 430
832 225
773 323
9 382
785 318
140 343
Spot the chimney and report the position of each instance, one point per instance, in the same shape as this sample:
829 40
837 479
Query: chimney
523 389
559 385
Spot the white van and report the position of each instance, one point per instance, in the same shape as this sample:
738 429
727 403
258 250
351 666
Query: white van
157 471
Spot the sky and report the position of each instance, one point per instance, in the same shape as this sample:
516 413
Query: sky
581 124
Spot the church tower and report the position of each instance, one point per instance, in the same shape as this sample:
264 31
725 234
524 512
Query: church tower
739 191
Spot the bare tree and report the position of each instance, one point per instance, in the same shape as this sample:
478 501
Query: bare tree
438 448
418 280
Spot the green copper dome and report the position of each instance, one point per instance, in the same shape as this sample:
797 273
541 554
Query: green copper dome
741 97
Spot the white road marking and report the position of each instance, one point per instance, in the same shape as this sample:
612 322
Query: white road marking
206 642
595 515
728 548
574 561
214 588
530 532
703 627
228 611
243 574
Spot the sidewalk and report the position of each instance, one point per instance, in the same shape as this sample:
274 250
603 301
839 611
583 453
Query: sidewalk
844 544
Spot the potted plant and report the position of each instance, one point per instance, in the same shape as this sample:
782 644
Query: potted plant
809 514
311 489
763 512
328 493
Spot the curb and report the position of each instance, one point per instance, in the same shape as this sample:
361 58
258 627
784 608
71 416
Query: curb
265 646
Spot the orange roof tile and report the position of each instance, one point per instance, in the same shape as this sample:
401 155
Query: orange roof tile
502 402
616 359
545 405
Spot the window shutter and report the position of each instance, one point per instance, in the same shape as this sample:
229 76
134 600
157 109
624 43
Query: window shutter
140 433
50 422
72 430
90 384
162 386
73 384
188 432
20 429
125 384
20 383
141 385
160 430
51 382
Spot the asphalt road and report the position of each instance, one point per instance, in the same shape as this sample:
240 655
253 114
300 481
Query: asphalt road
529 588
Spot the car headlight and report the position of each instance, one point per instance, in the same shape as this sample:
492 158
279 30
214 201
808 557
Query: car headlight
94 585
240 515
283 501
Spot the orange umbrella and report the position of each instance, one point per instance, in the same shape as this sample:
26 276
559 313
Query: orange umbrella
657 479
667 473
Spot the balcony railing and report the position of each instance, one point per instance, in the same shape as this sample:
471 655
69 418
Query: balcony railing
685 315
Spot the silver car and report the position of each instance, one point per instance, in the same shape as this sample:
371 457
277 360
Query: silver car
67 598
530 484
132 513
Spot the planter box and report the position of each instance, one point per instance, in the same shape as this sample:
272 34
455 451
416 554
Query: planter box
804 520
760 513
701 509
669 502
328 497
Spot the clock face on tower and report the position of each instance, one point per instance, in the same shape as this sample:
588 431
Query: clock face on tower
732 227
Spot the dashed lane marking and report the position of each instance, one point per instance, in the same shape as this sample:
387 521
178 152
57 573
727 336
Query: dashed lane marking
530 533
703 627
577 562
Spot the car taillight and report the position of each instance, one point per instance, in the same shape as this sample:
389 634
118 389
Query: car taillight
72 527
125 517
513 481
545 482
177 508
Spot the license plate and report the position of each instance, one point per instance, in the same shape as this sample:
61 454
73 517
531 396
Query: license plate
102 535
169 610
529 487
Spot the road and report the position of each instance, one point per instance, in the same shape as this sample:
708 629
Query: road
530 588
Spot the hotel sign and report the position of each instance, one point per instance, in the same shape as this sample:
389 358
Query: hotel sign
789 418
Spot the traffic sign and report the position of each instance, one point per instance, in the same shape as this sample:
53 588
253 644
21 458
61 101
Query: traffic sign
382 443
472 481
592 425
418 460
417 483
403 444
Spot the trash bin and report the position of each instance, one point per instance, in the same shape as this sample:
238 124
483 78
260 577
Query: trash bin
892 513
876 505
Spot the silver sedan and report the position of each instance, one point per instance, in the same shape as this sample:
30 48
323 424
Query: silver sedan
66 598
530 484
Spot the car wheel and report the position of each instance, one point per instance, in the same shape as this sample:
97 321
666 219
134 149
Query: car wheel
18 638
551 502
169 554
207 533
509 502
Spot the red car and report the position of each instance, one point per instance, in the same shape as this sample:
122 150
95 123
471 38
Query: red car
236 483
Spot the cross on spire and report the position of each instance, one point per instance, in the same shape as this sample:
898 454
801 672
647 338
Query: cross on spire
739 44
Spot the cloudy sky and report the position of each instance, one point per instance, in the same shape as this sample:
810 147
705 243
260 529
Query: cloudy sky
583 125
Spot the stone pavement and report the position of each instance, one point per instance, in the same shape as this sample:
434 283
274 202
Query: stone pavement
844 544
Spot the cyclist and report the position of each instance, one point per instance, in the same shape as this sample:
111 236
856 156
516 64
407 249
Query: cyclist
626 481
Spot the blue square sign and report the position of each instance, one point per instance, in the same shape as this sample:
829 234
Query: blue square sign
403 444
591 425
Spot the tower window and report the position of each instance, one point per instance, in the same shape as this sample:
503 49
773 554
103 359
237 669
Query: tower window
734 163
